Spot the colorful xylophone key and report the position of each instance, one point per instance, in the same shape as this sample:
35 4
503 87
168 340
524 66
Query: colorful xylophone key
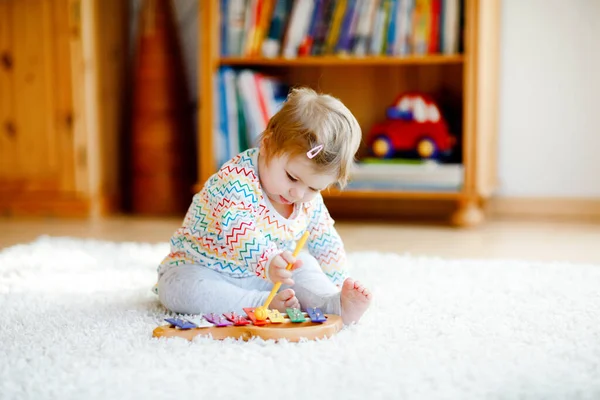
181 323
316 315
250 312
295 315
217 319
276 317
237 320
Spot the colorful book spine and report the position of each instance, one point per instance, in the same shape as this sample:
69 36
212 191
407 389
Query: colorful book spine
391 30
421 26
272 44
365 27
231 113
343 44
305 48
404 27
223 48
298 26
264 18
376 41
221 144
233 22
335 27
450 26
322 28
434 26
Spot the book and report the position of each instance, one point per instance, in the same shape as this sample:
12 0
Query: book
364 27
429 174
292 28
233 24
298 27
450 26
271 44
245 100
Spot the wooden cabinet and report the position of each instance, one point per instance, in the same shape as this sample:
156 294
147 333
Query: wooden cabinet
61 79
368 85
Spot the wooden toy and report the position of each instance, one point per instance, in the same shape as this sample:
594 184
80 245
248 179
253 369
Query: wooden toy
266 324
261 313
288 330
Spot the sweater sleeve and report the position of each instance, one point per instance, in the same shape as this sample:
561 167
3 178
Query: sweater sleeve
234 201
325 244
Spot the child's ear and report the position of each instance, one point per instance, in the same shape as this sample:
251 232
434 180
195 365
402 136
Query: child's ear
264 139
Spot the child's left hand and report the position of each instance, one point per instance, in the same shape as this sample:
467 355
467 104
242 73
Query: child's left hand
278 271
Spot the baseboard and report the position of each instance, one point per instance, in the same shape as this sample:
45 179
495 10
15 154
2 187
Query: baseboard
43 204
381 209
541 207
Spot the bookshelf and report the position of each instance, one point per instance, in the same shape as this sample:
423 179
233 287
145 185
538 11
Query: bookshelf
367 85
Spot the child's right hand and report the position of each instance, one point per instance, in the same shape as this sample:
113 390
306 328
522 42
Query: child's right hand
277 271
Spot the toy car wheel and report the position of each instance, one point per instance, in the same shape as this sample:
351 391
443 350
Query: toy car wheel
426 148
382 147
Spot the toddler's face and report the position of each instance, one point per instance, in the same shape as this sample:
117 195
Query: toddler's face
289 180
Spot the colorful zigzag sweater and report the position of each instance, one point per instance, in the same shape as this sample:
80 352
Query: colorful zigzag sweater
232 227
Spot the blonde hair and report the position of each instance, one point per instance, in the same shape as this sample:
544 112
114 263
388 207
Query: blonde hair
308 119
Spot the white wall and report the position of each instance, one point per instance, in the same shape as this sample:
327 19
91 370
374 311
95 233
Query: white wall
550 99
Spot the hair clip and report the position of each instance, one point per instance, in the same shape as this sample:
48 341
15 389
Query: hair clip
314 151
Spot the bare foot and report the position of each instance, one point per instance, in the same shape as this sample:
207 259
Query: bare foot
284 299
355 301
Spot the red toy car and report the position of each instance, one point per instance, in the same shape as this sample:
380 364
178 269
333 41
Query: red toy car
414 123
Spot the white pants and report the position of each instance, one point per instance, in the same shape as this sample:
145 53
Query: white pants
195 289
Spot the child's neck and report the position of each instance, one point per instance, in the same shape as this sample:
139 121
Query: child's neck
286 210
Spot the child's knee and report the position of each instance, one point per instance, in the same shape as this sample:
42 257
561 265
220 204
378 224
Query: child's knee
176 291
308 261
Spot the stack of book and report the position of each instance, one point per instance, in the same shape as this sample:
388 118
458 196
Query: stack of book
291 28
245 102
406 175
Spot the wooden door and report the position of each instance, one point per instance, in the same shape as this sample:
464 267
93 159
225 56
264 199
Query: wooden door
37 152
62 71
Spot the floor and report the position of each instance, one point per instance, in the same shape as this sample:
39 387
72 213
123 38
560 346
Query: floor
509 239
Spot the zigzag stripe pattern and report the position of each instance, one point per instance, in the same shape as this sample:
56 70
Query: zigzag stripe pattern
230 228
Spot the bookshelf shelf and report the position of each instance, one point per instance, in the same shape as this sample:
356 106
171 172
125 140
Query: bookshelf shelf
467 82
392 194
431 59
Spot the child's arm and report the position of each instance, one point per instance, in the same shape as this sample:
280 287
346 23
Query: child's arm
325 244
244 242
233 199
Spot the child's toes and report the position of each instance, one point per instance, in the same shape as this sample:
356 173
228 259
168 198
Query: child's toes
348 284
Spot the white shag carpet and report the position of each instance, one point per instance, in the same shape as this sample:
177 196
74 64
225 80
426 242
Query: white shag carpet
77 318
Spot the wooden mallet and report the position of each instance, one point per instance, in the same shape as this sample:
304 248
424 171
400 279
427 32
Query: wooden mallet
261 313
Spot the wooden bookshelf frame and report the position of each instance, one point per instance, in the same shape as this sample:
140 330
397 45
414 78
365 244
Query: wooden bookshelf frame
340 60
479 62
